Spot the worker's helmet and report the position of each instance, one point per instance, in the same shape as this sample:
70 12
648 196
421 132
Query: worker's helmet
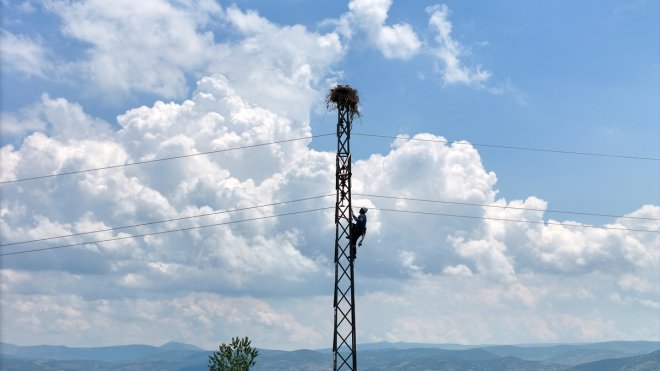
363 210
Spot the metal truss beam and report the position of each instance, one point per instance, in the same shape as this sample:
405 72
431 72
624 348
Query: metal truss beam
344 343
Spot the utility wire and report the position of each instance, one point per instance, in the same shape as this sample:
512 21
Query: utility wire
517 221
327 208
329 134
506 207
513 147
164 159
166 231
162 221
323 196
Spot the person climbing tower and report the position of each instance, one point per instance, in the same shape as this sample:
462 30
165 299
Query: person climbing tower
358 229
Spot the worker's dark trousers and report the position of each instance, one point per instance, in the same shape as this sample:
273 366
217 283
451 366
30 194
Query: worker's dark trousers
355 235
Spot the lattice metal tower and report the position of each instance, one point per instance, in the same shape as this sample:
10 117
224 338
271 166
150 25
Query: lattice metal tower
345 100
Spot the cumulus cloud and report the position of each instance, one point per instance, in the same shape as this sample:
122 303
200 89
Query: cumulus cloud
56 117
172 43
274 66
161 131
13 127
459 299
235 258
449 51
164 42
197 316
398 41
412 254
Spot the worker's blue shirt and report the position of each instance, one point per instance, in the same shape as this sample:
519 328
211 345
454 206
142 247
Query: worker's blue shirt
361 221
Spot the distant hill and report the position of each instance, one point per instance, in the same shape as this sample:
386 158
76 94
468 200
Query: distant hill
442 359
635 356
308 360
171 356
119 353
173 345
650 361
575 354
401 345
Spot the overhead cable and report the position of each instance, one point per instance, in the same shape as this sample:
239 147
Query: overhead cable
517 220
331 207
164 159
162 221
165 231
629 157
506 207
356 194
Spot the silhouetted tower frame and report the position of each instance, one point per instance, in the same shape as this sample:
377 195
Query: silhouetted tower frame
345 99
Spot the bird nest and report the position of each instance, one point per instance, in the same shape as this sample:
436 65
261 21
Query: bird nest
344 97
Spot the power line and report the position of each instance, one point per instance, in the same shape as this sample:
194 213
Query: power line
164 159
162 221
328 134
518 221
327 208
318 197
513 147
165 231
507 207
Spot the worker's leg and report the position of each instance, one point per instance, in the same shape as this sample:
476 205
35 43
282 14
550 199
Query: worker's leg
355 236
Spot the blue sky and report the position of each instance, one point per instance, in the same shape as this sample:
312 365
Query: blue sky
85 85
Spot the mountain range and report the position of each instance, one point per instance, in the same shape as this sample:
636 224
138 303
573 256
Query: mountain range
605 356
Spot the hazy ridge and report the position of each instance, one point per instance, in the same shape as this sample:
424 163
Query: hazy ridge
616 355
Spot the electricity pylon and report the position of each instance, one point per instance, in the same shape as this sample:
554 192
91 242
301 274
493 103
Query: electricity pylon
345 100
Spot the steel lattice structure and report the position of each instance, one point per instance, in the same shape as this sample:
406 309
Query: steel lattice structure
344 343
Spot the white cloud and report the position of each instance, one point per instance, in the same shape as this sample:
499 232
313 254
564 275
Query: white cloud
23 54
198 316
171 42
398 41
128 195
162 42
58 118
12 126
457 270
449 51
278 67
634 283
457 300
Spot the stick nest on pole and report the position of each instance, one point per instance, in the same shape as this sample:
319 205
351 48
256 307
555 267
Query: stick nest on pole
346 97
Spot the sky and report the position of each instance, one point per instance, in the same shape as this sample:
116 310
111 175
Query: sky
533 126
